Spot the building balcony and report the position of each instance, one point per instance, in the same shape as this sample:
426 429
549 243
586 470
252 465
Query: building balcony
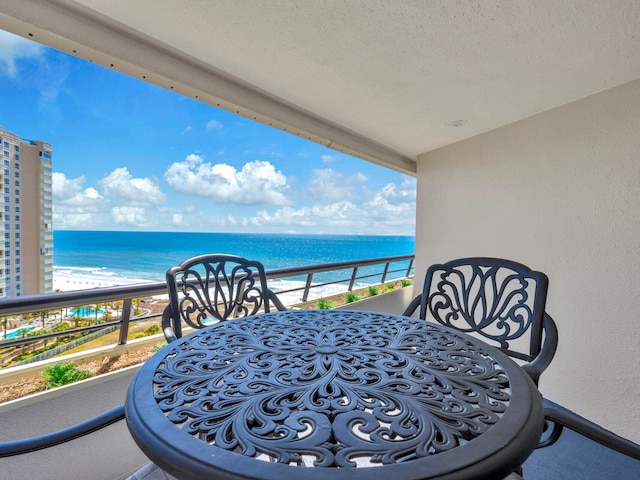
110 453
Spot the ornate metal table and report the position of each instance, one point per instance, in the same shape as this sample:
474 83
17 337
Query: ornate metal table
333 394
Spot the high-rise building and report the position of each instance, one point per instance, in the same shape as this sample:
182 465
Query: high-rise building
26 256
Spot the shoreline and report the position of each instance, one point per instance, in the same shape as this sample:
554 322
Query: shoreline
68 281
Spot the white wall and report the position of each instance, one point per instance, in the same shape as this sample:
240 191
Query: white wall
559 192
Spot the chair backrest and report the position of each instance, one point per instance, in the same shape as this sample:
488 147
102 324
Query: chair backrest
501 301
211 288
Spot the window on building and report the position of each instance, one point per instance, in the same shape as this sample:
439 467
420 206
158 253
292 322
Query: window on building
17 218
6 144
6 171
7 218
17 261
18 227
7 235
7 208
6 181
17 253
17 209
7 244
16 166
17 269
6 163
16 156
17 244
6 154
7 190
16 148
16 174
16 183
17 235
17 191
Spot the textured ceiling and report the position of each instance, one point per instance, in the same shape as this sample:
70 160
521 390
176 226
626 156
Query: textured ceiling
410 76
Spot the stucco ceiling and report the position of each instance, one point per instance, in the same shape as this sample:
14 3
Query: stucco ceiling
384 79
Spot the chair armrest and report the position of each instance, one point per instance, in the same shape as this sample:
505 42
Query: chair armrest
167 325
18 447
411 308
561 419
547 352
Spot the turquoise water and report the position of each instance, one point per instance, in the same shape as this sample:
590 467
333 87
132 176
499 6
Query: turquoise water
19 332
148 255
84 312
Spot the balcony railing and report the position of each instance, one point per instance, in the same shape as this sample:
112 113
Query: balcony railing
349 274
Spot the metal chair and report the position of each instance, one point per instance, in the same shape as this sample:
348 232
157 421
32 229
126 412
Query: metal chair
213 288
498 300
556 420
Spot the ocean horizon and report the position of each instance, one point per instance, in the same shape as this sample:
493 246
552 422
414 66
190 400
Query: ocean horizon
146 256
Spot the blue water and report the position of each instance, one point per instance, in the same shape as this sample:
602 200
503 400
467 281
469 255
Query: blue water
86 312
19 332
148 255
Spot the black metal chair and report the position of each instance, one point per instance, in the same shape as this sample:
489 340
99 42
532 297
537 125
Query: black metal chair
213 288
557 420
501 301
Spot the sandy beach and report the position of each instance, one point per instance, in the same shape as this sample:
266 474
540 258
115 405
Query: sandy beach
66 281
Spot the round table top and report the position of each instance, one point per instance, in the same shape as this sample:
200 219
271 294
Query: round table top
336 394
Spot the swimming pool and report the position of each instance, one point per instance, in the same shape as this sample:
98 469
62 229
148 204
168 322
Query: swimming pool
19 332
85 312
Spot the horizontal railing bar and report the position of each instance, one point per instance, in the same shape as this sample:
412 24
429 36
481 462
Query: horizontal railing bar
51 301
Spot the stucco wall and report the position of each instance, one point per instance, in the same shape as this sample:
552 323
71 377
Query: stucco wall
559 192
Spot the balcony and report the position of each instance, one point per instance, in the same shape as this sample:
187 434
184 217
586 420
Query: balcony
110 453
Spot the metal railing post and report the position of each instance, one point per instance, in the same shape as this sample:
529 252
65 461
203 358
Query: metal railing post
305 295
354 275
409 268
124 321
384 274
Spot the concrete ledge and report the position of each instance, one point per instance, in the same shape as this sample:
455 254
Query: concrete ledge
15 374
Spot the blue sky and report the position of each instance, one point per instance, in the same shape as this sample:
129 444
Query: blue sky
128 155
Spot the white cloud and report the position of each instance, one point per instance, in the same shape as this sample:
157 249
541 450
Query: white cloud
177 219
73 205
390 210
68 191
257 183
123 187
126 215
14 48
329 158
328 186
214 125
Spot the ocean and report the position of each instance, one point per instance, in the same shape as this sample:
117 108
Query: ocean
147 255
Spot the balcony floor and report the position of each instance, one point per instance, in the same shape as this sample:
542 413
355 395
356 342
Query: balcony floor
575 457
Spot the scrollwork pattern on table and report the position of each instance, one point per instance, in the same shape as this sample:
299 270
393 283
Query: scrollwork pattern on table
316 388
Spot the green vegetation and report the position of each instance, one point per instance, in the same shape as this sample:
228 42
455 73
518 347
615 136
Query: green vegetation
159 346
63 374
373 290
406 283
325 304
351 297
152 330
389 288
